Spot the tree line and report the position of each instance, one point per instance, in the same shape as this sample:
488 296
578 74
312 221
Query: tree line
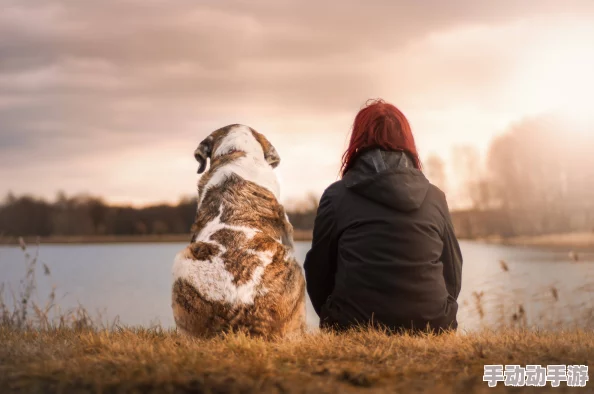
84 215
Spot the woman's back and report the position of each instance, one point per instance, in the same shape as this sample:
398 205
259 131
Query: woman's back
383 248
389 227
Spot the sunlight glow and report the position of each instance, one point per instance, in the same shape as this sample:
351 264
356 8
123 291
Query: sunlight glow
557 77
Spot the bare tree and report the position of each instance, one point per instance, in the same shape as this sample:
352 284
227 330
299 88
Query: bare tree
435 171
542 173
473 182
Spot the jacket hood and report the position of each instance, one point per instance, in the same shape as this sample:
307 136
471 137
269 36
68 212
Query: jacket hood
389 178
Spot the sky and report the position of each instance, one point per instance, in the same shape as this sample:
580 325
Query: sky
111 98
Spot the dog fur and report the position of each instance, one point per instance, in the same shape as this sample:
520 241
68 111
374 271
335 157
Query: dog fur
239 273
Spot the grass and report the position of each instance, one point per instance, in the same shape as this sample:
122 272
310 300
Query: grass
46 350
138 360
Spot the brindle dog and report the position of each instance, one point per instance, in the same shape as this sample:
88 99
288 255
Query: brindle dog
238 273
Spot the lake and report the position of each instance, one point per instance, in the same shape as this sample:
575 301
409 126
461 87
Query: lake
133 281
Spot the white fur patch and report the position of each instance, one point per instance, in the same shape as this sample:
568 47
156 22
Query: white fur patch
211 278
252 167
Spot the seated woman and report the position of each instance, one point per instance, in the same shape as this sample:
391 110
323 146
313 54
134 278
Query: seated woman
384 251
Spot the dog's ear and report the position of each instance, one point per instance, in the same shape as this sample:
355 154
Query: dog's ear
270 154
203 152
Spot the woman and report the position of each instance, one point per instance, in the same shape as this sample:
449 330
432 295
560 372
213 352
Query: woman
384 250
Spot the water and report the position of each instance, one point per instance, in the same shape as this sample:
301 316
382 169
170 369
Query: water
133 281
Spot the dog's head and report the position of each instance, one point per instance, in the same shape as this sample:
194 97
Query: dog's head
235 138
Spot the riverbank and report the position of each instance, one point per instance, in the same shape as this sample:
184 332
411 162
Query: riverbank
299 235
140 360
570 241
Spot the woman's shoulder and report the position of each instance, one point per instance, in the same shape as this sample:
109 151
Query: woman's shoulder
333 194
335 188
438 199
436 192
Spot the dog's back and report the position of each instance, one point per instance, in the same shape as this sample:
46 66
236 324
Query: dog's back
238 273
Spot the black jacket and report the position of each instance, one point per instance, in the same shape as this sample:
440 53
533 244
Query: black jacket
384 249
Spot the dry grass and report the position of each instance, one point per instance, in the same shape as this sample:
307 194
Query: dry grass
137 360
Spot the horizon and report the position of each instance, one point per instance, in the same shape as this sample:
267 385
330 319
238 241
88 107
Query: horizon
91 103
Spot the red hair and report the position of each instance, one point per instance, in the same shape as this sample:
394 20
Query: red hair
380 125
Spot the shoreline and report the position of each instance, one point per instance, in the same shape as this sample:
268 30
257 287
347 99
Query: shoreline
299 235
566 241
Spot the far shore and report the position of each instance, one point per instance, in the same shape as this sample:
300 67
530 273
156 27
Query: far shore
577 241
571 241
299 235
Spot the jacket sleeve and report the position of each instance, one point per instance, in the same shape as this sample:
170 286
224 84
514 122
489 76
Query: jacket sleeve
320 261
451 257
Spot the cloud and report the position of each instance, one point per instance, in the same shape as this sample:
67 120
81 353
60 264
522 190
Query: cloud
84 85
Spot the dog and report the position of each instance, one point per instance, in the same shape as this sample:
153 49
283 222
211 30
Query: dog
238 273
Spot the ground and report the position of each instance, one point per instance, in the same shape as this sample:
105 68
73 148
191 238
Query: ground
141 360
